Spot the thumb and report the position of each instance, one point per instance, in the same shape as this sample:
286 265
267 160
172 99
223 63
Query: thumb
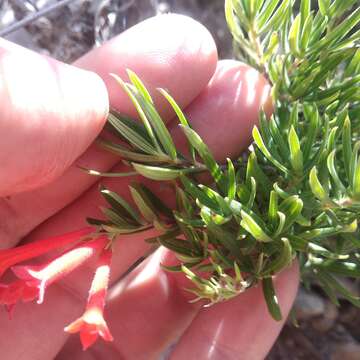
50 113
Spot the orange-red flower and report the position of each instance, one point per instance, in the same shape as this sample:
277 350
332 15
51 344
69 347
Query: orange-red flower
10 257
41 276
92 323
14 292
32 280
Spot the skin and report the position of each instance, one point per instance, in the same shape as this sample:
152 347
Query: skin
50 117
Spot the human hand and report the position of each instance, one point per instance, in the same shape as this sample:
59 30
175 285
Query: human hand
51 114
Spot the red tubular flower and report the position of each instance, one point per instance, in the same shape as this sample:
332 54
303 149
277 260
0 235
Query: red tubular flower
41 276
10 257
16 291
92 324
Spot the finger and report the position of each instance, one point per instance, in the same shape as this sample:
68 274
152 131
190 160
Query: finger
241 328
183 64
127 249
50 115
179 54
232 101
22 337
235 137
148 312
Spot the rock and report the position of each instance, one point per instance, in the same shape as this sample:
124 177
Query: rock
350 318
308 305
328 318
347 351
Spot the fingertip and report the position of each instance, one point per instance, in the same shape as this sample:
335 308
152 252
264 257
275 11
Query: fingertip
90 105
170 51
240 328
54 111
231 104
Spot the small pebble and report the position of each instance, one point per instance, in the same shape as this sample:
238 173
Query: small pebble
325 322
308 305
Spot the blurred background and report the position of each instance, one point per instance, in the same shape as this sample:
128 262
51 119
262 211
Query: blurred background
66 29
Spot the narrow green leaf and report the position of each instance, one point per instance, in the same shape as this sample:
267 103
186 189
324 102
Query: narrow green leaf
180 247
305 8
254 7
120 205
296 156
277 18
294 35
312 117
96 222
346 147
116 230
133 136
222 204
153 116
283 194
181 116
131 123
155 202
281 224
175 107
250 225
117 219
338 7
272 46
294 115
245 6
334 174
324 6
266 12
141 201
197 193
306 33
231 180
320 250
159 127
251 200
339 32
128 154
260 143
206 155
234 25
254 170
316 186
356 183
132 95
354 65
139 85
281 261
170 234
273 208
345 268
291 207
278 139
353 167
156 172
272 301
108 174
183 202
224 237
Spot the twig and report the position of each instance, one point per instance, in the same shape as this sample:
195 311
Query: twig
29 19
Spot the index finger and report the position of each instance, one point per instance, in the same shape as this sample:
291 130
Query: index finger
173 52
